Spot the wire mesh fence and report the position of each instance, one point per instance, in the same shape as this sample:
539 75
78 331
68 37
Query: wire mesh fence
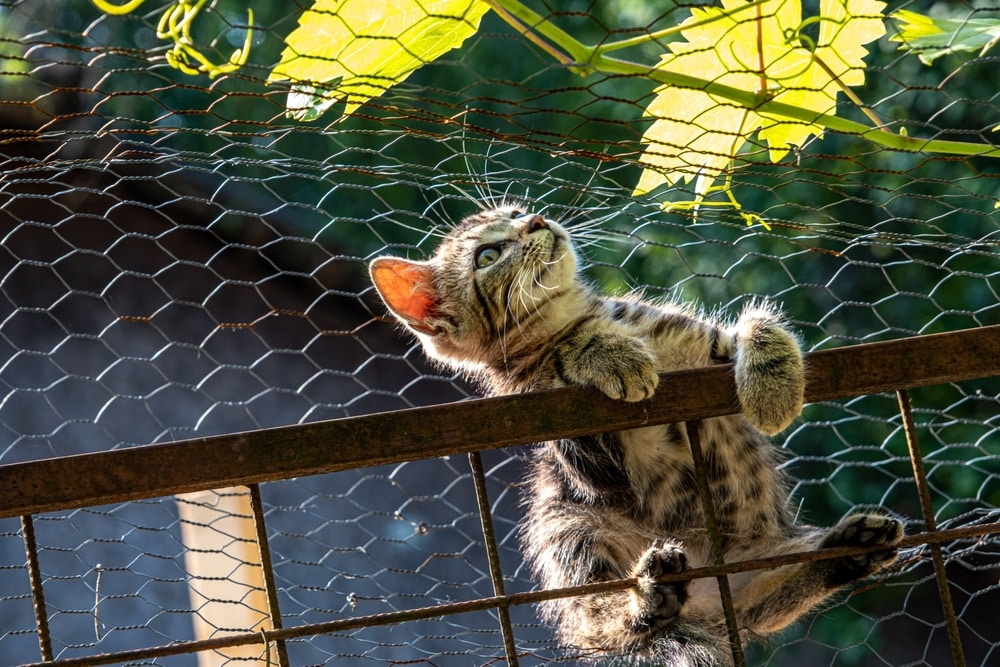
181 260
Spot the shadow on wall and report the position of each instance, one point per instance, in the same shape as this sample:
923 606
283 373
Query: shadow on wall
136 308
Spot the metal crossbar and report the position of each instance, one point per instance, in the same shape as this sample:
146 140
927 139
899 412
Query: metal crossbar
458 428
120 475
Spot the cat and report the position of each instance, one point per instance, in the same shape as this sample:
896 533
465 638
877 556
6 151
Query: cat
502 300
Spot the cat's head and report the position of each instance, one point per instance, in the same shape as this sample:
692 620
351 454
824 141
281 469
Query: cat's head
499 280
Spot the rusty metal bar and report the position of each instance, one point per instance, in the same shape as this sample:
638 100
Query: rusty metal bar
270 589
693 430
482 604
492 554
458 428
923 490
37 589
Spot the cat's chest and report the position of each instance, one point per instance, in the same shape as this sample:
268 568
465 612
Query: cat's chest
659 466
654 447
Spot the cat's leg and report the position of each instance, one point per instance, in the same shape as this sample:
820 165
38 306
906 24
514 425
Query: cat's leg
618 621
628 620
776 598
620 366
654 628
770 374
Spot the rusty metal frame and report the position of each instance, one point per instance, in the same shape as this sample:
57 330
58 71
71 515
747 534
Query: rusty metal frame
930 524
140 472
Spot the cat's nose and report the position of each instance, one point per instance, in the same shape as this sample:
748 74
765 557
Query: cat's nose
533 222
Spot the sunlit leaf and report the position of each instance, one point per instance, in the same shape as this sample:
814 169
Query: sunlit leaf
933 38
354 50
836 61
696 136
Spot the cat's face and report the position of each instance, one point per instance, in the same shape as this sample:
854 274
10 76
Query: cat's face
496 280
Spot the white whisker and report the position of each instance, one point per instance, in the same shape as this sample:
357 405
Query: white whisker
427 232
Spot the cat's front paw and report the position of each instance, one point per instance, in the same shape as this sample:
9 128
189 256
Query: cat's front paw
862 530
620 366
770 373
631 378
658 604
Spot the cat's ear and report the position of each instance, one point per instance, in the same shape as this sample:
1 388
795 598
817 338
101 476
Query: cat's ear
408 289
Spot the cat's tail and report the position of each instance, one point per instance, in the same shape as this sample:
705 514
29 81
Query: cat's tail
690 646
685 645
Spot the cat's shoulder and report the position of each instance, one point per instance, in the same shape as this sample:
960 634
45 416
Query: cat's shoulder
637 305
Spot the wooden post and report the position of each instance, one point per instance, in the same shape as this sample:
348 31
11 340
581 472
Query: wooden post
226 579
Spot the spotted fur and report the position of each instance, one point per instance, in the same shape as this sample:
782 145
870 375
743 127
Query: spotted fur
501 300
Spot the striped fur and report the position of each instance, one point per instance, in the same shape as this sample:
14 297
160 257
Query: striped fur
501 300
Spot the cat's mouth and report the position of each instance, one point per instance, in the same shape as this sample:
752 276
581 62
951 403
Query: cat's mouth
559 248
552 246
560 242
546 246
536 230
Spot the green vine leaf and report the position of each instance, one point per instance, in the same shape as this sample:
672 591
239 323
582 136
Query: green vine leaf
697 136
355 50
932 38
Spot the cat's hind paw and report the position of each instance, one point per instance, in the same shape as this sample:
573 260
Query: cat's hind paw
658 604
862 530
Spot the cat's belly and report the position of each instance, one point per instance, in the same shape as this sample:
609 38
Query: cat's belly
741 472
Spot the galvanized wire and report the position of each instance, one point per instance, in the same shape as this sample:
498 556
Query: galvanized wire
181 261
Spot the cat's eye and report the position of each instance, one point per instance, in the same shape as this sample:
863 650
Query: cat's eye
487 255
516 213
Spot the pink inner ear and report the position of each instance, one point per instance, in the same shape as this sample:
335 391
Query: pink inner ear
407 288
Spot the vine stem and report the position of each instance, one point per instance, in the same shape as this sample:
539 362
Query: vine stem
671 31
851 95
528 34
593 59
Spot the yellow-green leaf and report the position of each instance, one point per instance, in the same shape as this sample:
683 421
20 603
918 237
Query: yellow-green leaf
696 136
933 38
354 50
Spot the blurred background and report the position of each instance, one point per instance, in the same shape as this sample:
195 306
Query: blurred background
179 259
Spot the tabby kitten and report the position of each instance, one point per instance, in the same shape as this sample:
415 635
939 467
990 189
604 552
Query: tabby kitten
501 300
